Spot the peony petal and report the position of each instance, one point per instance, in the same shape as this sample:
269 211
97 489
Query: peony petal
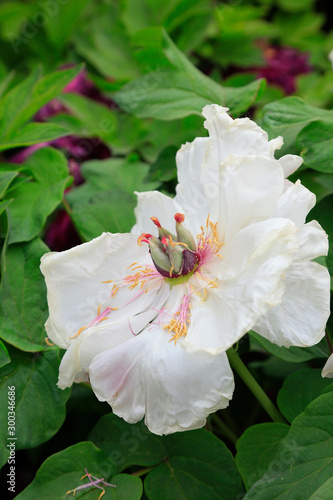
151 376
155 204
328 368
295 203
249 191
74 281
104 336
301 317
251 278
313 242
241 136
198 178
290 163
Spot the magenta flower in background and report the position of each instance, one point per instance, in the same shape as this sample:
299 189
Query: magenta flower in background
283 65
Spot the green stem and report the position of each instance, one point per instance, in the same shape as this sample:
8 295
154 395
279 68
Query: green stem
238 365
225 431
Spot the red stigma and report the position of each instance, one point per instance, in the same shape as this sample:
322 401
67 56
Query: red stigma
155 221
164 240
145 237
179 218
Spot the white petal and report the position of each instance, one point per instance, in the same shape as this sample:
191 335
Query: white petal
155 204
290 163
241 136
107 335
89 344
274 144
295 203
151 376
198 178
249 191
251 281
301 317
328 368
73 279
313 242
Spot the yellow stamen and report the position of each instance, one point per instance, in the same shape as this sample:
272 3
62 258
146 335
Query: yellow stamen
80 330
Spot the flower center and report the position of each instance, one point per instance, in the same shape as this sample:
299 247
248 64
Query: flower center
174 256
176 259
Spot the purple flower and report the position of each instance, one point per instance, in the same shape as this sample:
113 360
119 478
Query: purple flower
283 65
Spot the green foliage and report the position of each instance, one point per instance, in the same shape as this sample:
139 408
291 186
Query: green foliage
63 472
106 201
292 354
303 462
299 389
193 469
175 88
4 356
23 304
40 190
39 405
185 465
23 101
256 448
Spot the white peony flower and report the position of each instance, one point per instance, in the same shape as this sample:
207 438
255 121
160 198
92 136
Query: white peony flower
149 324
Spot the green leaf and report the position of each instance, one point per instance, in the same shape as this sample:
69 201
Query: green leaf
316 143
320 184
138 16
106 201
35 200
186 19
4 82
322 212
5 180
103 42
4 356
288 116
39 404
26 98
299 389
62 473
292 354
96 119
193 464
256 448
3 206
33 133
23 308
197 465
164 168
111 211
127 444
176 88
67 16
121 174
303 462
324 492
